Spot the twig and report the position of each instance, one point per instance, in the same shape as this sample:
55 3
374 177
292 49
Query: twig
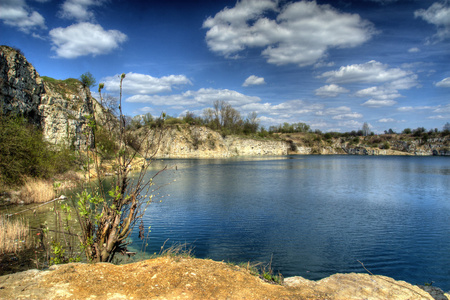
365 268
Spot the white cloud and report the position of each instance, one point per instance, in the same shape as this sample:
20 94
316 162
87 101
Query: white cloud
146 109
378 93
442 109
438 117
413 50
337 110
379 103
437 14
444 82
78 9
404 83
254 80
351 124
210 95
386 120
197 98
339 113
411 108
301 33
295 107
369 72
85 39
331 90
390 79
348 116
142 84
16 13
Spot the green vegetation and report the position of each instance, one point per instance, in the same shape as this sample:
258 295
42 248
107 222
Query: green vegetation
87 80
24 152
264 271
107 218
65 87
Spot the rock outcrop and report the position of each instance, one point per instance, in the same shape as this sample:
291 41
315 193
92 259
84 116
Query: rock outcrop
20 85
188 278
185 141
58 107
310 143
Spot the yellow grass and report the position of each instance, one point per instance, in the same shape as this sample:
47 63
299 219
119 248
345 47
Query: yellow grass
14 235
37 191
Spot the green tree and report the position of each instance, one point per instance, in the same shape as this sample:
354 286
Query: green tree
88 80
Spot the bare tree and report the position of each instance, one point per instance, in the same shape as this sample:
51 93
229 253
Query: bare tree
446 127
366 129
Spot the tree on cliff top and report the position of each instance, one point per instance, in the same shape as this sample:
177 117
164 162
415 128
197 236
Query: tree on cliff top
87 79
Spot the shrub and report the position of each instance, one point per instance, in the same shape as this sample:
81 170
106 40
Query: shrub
24 152
105 143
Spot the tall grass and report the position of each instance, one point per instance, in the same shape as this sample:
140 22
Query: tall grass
37 191
14 235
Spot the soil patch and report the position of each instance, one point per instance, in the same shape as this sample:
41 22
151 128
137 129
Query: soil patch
189 278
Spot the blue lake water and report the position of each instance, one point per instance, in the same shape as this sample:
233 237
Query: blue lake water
311 216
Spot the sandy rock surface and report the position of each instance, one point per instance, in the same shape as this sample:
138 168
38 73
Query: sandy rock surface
189 278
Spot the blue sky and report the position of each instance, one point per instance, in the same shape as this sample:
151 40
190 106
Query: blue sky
331 64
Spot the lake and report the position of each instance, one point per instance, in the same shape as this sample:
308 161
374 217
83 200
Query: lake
311 216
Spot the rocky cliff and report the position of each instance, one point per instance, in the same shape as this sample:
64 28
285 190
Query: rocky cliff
395 144
59 107
185 141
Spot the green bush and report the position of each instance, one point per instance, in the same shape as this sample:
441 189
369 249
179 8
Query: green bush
105 143
24 152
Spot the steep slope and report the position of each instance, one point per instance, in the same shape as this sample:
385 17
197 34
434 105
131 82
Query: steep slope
58 107
185 141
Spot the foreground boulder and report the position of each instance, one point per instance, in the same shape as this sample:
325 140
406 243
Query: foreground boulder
188 278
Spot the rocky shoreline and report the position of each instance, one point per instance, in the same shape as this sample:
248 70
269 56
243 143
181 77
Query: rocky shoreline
189 278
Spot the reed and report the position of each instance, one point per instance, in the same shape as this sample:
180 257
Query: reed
37 191
14 235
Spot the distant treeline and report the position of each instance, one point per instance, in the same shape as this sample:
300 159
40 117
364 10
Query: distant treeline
227 120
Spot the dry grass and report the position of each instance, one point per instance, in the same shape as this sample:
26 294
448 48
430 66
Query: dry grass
14 235
37 191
